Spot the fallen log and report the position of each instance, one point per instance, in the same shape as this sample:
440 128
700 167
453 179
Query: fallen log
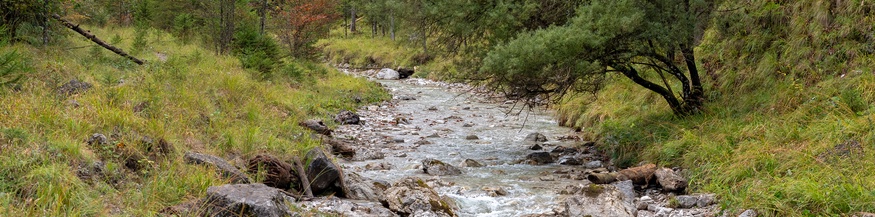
305 181
93 38
639 175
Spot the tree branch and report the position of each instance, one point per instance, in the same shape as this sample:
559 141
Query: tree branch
93 38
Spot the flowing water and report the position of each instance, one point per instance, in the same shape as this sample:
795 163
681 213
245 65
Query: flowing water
445 117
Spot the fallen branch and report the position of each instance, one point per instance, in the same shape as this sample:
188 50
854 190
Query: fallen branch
305 182
93 38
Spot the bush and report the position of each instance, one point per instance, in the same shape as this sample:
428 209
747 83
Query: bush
256 51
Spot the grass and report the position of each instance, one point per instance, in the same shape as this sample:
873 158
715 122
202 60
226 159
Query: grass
195 100
786 82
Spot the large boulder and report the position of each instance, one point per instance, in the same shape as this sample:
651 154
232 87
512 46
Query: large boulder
223 166
388 74
247 200
360 188
439 168
323 173
600 200
412 196
339 207
347 117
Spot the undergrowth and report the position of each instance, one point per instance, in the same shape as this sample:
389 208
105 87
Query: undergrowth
189 97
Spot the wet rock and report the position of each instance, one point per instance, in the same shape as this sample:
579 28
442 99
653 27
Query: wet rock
471 163
643 202
536 147
406 98
247 200
360 188
539 158
433 108
467 125
347 117
434 135
388 74
404 73
748 213
398 140
316 126
438 168
343 147
378 166
339 207
594 164
599 200
223 166
547 178
97 139
670 180
569 160
422 142
686 201
322 172
276 173
495 191
562 150
472 137
535 137
412 196
74 87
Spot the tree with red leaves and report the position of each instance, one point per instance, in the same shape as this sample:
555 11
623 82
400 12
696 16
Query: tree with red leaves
301 22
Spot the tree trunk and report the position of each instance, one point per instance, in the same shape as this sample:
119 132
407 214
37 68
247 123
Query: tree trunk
352 18
373 29
93 38
226 12
392 27
263 15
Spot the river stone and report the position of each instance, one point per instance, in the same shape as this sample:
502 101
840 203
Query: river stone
539 158
438 168
360 188
336 206
569 160
643 202
347 117
471 163
388 74
412 196
535 137
599 200
472 137
536 147
670 180
686 201
322 172
247 200
223 166
594 164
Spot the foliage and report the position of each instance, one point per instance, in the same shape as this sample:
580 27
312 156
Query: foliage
256 51
29 20
13 66
302 22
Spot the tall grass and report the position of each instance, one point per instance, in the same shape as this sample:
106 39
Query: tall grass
195 100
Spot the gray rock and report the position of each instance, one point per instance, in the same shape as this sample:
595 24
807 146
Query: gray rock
361 188
322 172
644 202
569 160
495 191
687 201
472 137
536 147
706 200
74 87
599 200
412 196
535 137
388 74
347 117
626 189
337 206
539 158
594 164
91 171
748 213
471 163
438 168
422 142
247 200
367 154
223 166
97 139
670 180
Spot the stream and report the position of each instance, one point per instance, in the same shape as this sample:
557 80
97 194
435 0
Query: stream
448 117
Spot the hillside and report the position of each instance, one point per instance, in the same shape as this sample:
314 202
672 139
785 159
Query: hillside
787 126
186 98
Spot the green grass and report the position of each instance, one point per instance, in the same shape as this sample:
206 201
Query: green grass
196 100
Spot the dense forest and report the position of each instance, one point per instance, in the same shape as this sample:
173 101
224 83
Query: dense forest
766 104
